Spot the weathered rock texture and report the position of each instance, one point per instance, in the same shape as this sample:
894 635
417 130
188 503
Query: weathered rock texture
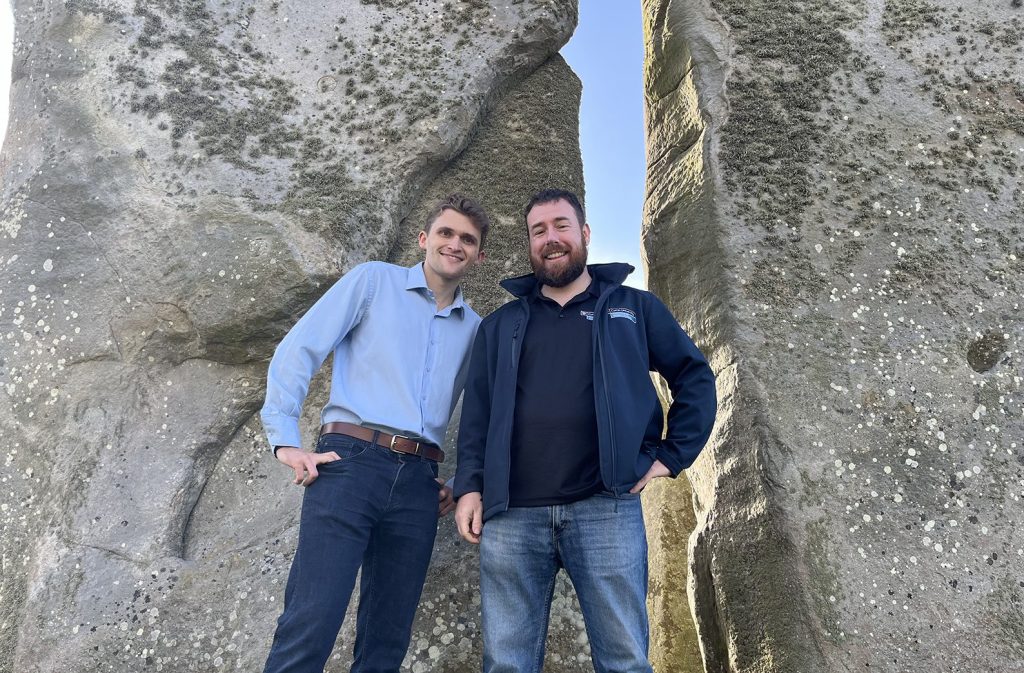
181 180
834 211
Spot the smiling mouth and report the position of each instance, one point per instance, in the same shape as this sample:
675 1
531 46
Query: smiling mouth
452 257
555 255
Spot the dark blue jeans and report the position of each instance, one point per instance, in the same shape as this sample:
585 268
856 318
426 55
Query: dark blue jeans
373 508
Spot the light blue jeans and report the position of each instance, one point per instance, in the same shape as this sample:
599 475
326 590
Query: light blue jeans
602 544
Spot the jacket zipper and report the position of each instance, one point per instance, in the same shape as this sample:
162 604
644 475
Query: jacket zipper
515 335
514 366
600 320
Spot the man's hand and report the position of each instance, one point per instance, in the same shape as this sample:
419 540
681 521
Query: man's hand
304 462
446 503
469 517
657 469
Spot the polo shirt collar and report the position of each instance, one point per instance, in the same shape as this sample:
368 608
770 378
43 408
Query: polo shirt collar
536 295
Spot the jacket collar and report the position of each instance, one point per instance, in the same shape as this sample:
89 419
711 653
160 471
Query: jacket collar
605 276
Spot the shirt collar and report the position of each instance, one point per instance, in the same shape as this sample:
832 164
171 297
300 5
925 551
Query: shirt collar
537 295
416 280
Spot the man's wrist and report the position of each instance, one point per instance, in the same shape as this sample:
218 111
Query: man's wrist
669 461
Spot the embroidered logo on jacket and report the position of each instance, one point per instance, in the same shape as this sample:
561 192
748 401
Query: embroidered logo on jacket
622 313
589 315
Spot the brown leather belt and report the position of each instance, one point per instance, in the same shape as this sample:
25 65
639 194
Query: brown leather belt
394 442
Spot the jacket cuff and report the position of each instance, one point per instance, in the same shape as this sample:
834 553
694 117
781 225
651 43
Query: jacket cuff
464 485
674 465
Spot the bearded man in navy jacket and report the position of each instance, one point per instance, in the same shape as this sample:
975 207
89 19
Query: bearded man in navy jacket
561 430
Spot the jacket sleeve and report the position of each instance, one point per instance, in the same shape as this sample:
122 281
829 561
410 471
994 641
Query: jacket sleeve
694 402
476 415
304 349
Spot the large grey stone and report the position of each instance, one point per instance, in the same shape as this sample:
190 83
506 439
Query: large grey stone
180 181
834 212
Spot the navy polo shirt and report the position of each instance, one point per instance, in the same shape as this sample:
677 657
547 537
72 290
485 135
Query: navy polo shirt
554 434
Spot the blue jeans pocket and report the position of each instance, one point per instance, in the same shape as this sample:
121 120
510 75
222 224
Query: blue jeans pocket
622 496
346 447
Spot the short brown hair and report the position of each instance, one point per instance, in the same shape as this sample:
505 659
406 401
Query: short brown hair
464 206
552 195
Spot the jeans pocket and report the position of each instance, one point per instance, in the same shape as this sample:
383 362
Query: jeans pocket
622 496
346 447
432 472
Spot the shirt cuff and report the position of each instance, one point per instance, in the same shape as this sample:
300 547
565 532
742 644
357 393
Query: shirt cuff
282 431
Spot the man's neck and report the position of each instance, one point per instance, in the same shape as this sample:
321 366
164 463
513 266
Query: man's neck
443 288
563 294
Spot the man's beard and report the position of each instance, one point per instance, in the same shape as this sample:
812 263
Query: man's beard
571 271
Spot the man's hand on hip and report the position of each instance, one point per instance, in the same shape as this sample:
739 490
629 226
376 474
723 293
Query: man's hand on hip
304 462
445 501
656 470
469 517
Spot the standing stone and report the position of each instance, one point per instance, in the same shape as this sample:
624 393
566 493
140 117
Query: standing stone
181 180
834 210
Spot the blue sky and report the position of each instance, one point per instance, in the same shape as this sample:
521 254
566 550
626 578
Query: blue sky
607 53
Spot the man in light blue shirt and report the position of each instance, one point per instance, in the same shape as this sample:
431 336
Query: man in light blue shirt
401 340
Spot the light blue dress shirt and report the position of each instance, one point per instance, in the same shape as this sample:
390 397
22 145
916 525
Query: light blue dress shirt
399 363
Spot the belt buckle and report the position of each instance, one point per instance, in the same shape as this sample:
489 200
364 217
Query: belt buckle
391 446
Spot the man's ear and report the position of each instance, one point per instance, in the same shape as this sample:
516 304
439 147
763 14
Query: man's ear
481 257
423 240
586 234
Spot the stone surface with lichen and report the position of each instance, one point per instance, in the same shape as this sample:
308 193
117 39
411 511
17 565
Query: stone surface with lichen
181 179
836 217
